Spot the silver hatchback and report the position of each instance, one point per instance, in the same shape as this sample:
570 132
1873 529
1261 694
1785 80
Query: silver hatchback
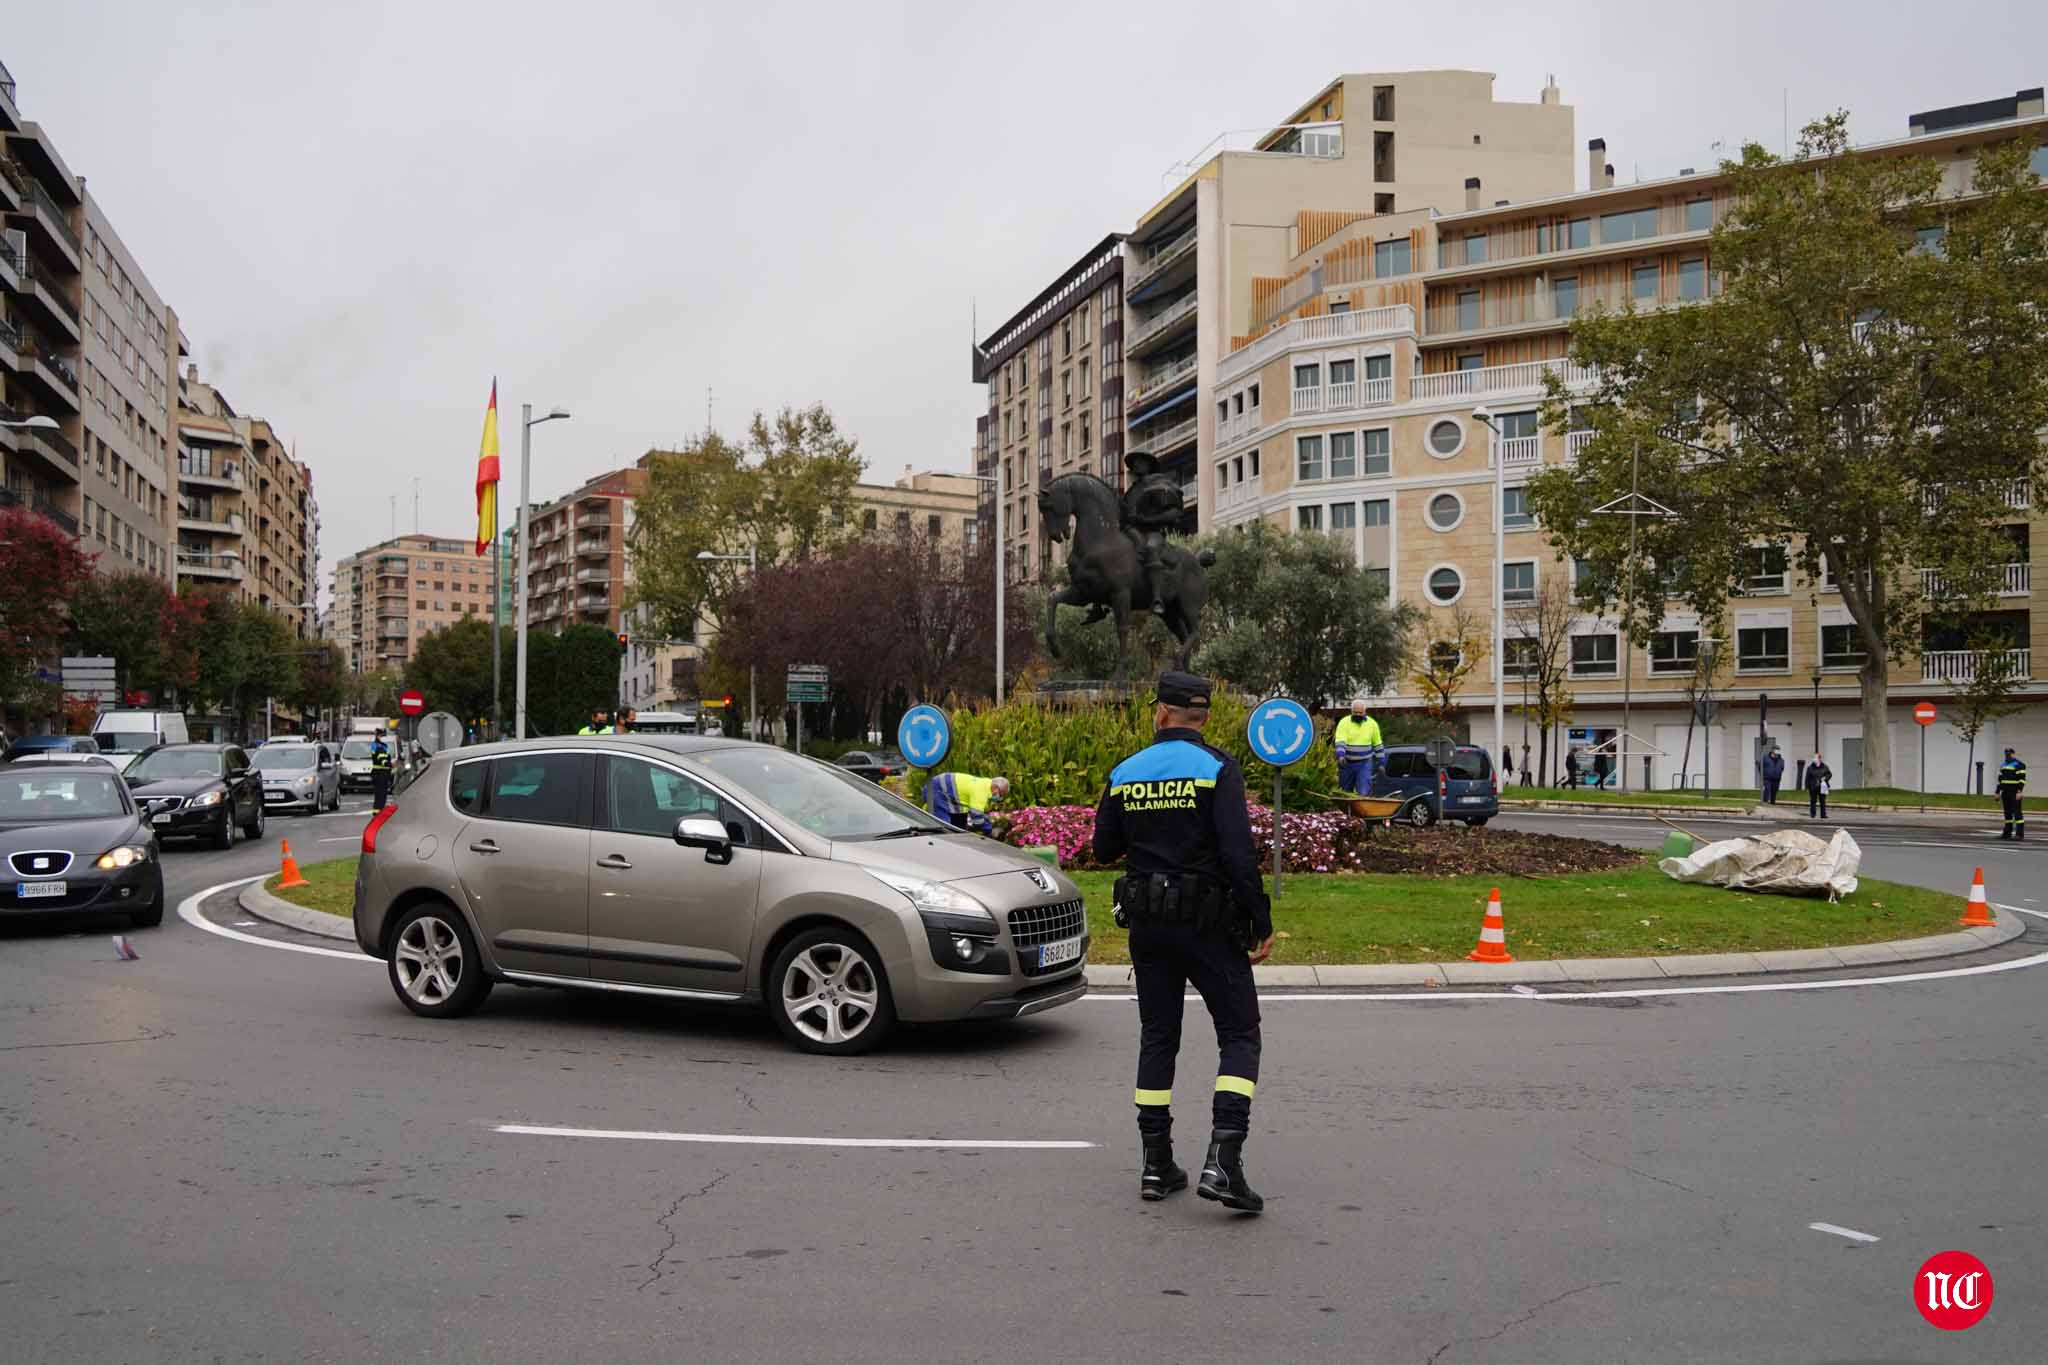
707 869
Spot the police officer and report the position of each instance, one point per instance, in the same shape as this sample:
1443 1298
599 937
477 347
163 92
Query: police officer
1358 749
380 773
1197 912
2012 782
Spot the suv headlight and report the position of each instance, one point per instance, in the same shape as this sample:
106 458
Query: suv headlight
127 855
207 799
306 782
935 896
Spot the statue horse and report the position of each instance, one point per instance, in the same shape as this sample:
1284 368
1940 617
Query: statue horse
1103 569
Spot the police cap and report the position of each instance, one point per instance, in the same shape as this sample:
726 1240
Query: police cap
1183 689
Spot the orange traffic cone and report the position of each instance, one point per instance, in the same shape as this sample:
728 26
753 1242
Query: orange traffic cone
1493 935
289 872
1977 914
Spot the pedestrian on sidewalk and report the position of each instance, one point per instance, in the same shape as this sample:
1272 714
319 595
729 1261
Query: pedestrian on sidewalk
2012 783
1818 776
1774 775
1571 769
1602 768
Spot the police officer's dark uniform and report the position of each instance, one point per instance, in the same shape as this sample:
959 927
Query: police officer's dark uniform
2012 784
1193 900
380 774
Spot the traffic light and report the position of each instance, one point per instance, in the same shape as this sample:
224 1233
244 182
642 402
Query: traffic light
622 639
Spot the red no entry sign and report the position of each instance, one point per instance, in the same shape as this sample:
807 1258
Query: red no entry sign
413 704
1924 713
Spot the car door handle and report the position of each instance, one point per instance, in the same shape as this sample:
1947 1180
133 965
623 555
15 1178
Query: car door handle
484 846
615 863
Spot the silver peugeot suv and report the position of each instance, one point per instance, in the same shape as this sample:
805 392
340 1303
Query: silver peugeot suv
706 869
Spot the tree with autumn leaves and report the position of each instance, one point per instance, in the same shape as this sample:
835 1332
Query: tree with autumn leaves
40 567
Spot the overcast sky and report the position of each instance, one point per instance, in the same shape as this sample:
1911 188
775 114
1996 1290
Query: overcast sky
362 212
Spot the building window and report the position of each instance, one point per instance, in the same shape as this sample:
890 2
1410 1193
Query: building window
1379 446
1576 234
1514 509
1066 338
1475 248
1699 215
1630 226
1692 278
1378 512
867 517
1309 518
1674 651
1595 656
1344 517
1930 241
1468 309
1307 376
1643 283
1446 438
1344 453
1762 649
1471 360
933 525
1766 564
1339 307
1445 584
1343 372
1308 458
1518 581
1445 511
1564 296
1841 647
1519 657
1391 258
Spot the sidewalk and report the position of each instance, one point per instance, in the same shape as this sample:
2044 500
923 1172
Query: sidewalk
1557 971
1785 812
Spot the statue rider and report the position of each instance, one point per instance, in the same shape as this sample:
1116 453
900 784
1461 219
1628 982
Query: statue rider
1151 508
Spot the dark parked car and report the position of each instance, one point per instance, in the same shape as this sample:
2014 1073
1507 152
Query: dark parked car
873 764
199 791
1462 790
30 746
74 839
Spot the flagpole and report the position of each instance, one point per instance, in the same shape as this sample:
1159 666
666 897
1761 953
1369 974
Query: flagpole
525 485
497 623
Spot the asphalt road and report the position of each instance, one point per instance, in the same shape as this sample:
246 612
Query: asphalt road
225 1151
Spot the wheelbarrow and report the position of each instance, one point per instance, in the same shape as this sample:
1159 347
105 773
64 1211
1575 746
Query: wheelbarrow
1381 809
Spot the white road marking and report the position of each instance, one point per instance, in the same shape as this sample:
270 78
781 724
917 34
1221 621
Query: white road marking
188 911
1850 1233
344 839
750 1140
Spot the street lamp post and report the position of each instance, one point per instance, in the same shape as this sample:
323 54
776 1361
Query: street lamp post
39 422
1500 673
1816 712
527 422
1002 579
753 705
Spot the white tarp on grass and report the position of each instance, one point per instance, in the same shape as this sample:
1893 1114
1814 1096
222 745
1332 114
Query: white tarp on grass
1788 861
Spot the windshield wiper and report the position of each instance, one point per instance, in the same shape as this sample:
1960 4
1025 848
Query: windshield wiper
908 831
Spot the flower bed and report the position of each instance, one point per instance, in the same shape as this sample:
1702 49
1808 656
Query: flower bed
1333 842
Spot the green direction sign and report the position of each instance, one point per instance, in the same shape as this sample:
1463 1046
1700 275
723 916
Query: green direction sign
809 682
809 692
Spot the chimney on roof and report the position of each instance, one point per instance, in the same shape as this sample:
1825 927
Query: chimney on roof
1596 154
1551 94
1607 177
1500 203
1471 192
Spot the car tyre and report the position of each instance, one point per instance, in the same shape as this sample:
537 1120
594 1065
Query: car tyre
152 914
830 994
434 966
254 829
1418 813
225 838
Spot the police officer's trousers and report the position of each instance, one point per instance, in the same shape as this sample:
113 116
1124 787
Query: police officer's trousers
2015 818
1165 958
380 790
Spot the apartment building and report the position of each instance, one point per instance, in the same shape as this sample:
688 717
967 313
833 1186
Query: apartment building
576 568
1347 407
1054 372
126 376
281 528
389 596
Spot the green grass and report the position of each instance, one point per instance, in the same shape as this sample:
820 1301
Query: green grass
1901 799
1634 912
1632 797
330 888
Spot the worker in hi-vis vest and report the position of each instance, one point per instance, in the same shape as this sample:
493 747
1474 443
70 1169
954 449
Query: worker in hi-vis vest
1358 749
962 799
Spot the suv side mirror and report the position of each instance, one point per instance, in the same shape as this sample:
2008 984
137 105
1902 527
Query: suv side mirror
701 831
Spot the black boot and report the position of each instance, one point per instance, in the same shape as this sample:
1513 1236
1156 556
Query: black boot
1223 1173
1160 1176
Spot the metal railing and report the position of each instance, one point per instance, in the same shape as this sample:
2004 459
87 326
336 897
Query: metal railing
1237 495
1394 320
1165 438
46 208
52 444
1574 442
39 280
1159 322
2017 494
1161 259
1517 451
1159 378
2015 580
1343 396
1238 427
1526 377
1961 665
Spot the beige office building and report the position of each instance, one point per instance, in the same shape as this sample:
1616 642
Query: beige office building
389 596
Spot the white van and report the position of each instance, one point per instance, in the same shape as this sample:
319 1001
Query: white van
124 734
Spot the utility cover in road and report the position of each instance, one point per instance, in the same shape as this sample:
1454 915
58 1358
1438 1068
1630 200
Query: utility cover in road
411 702
439 731
924 735
1280 731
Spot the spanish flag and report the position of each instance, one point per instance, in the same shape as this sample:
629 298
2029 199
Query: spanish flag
487 478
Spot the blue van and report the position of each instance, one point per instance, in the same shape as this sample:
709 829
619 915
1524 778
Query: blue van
1462 790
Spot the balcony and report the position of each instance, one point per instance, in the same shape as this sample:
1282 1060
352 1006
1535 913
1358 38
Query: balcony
35 500
593 576
206 519
593 545
1347 396
51 447
1574 442
47 215
212 567
1160 440
1393 321
2015 580
1518 452
52 370
593 601
585 520
1524 378
1234 429
1161 380
1161 324
1960 665
40 288
1240 494
1159 265
11 266
2017 494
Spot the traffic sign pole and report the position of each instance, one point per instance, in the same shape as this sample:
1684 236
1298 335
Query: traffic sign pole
1279 731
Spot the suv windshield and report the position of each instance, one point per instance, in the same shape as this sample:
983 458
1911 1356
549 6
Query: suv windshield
282 758
40 797
355 748
127 741
827 801
176 763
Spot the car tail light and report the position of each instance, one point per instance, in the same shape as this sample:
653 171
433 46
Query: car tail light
376 823
1443 784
